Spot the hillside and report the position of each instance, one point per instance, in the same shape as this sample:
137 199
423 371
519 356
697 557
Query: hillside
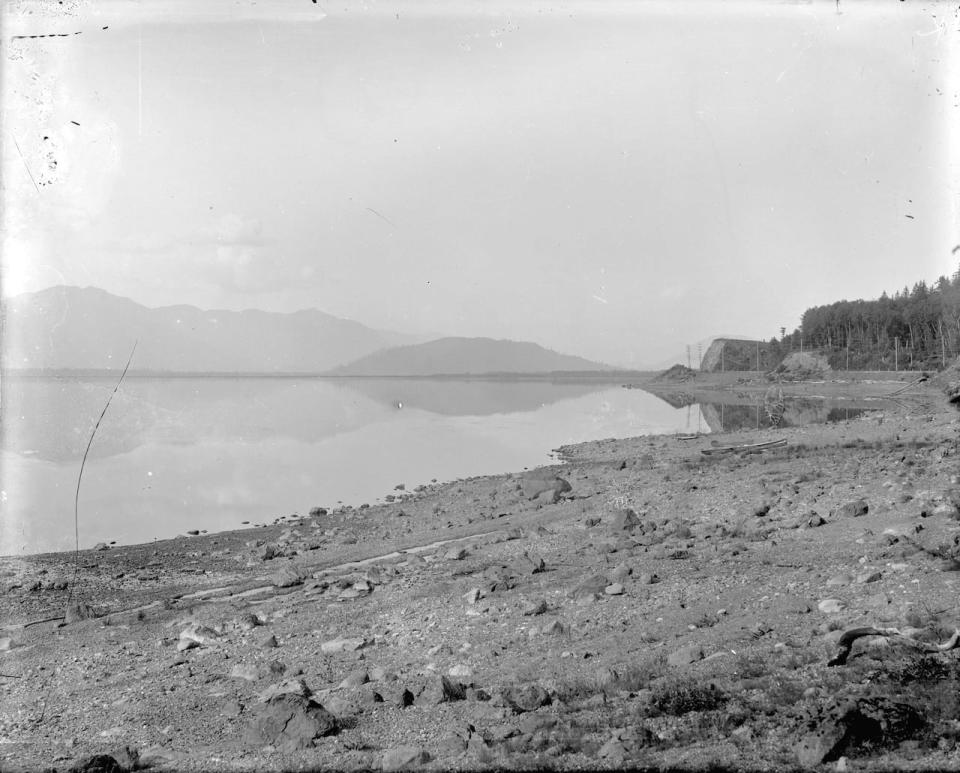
466 356
72 327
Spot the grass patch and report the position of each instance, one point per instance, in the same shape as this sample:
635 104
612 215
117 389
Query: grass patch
680 696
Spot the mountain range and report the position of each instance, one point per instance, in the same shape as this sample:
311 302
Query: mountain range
73 328
466 356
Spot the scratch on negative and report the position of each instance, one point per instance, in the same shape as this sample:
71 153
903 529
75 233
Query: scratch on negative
384 219
50 35
29 173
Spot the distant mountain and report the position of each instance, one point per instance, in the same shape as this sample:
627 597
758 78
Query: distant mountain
72 327
466 356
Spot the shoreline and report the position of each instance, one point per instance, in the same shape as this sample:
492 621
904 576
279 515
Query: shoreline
724 546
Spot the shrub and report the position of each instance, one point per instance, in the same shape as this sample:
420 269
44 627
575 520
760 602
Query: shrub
681 696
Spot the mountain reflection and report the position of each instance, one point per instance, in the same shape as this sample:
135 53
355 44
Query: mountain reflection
51 419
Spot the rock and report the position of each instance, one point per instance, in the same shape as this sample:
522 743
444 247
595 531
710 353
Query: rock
839 580
477 746
339 707
380 674
591 587
616 589
101 546
441 690
289 723
199 633
472 596
5 643
821 745
613 751
287 577
852 509
646 578
355 679
403 757
527 564
455 554
246 671
624 520
536 483
686 655
98 763
193 532
620 573
248 621
831 606
269 642
460 670
342 645
525 697
186 644
553 628
869 576
231 709
79 611
451 745
537 607
550 497
296 687
270 552
395 695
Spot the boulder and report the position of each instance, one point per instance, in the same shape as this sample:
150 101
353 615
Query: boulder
287 577
852 509
289 723
403 757
525 697
624 520
536 483
591 587
441 690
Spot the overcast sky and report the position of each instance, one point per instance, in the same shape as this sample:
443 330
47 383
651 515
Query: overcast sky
613 181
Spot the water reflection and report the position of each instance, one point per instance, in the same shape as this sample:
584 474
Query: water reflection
179 454
724 412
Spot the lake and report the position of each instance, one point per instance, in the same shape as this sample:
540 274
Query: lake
209 453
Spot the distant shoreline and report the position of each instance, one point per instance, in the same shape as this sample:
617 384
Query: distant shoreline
94 374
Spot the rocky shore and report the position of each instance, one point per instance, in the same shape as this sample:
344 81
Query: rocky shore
642 604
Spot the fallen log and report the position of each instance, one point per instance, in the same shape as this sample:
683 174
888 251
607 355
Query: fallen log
745 447
845 644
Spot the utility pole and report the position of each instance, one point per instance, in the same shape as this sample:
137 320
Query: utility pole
688 357
700 356
758 357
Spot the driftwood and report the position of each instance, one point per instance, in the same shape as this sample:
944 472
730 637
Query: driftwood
849 637
745 448
45 620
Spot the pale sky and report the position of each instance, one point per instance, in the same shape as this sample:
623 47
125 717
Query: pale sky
609 180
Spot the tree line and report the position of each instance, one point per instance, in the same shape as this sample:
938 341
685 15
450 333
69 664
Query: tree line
916 328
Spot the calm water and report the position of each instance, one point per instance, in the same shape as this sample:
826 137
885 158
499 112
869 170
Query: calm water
179 454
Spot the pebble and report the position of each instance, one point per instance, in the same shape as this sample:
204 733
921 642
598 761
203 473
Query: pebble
616 589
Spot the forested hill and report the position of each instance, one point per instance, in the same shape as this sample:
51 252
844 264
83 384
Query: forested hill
917 328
